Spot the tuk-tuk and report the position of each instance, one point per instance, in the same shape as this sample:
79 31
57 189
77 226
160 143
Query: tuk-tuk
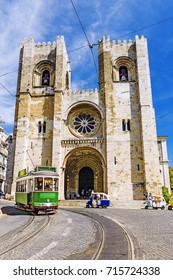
155 202
98 200
170 204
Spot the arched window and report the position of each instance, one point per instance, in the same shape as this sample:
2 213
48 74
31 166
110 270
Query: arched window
45 78
123 73
125 125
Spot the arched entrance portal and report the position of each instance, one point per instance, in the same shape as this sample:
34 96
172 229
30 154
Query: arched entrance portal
86 181
84 169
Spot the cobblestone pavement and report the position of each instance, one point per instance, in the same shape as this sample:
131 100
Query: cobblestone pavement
67 234
151 231
9 217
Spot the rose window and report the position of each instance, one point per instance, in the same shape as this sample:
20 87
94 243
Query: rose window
84 123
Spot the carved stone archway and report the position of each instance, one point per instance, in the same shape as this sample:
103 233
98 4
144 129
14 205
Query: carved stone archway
84 157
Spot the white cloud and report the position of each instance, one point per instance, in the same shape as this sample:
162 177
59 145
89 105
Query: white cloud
19 19
44 20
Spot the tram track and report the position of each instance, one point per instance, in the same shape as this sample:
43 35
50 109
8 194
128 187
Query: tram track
112 240
16 238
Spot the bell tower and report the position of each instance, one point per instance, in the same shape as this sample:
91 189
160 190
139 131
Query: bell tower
43 76
130 131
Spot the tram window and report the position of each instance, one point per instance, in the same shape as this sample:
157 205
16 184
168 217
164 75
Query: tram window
38 184
55 184
30 184
48 184
21 186
18 187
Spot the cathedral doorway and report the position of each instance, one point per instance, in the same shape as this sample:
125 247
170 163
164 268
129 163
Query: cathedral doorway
84 169
86 181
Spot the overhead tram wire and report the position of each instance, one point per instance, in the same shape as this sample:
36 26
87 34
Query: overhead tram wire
143 28
91 47
20 100
81 23
95 44
8 73
70 51
8 90
152 124
89 44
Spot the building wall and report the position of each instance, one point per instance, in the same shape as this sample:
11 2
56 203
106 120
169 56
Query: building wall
3 158
164 167
131 100
111 130
9 170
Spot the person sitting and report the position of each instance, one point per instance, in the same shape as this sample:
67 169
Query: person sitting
97 200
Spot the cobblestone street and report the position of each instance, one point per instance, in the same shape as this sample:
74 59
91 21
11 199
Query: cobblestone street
150 231
70 233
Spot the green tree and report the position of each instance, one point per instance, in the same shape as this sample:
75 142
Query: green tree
166 194
171 177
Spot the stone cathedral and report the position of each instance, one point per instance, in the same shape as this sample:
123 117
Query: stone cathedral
103 140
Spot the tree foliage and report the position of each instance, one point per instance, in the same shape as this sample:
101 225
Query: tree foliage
171 177
166 194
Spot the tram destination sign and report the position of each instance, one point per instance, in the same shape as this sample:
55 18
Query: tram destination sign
46 168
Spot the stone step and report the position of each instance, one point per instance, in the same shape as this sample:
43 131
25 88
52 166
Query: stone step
130 204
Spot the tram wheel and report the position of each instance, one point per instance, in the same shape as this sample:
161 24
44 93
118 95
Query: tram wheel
36 211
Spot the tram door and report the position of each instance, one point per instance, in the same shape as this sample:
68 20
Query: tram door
86 180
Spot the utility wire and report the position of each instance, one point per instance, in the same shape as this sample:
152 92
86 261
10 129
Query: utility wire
81 24
89 44
8 73
161 117
143 28
7 90
20 100
95 44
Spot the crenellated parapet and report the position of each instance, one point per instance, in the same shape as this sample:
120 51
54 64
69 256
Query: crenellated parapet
42 46
83 92
59 39
105 44
107 40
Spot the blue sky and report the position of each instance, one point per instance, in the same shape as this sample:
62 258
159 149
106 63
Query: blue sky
44 20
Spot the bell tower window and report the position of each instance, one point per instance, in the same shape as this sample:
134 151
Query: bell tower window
123 73
126 125
45 78
42 127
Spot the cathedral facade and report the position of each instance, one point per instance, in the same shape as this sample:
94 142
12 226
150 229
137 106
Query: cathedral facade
103 140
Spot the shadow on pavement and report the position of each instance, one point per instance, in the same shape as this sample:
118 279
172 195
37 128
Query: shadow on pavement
13 211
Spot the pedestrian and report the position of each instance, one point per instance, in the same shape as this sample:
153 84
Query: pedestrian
83 193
